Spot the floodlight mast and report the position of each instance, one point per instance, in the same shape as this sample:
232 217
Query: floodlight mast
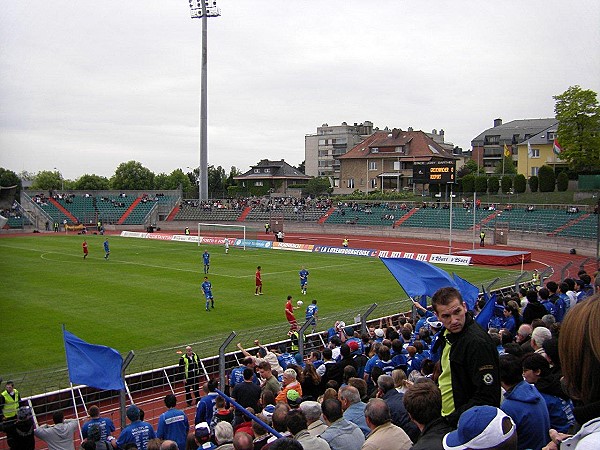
199 9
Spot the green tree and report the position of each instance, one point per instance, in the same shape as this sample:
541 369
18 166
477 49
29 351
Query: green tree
47 180
493 185
520 184
132 175
318 186
481 184
578 115
172 181
509 166
468 183
216 181
547 179
470 167
562 181
8 179
233 172
534 183
506 184
91 183
302 166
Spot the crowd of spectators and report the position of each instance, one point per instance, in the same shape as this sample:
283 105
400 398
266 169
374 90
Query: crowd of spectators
390 387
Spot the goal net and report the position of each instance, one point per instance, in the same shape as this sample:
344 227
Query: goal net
216 234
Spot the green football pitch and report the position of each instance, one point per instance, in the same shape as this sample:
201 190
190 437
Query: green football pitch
147 295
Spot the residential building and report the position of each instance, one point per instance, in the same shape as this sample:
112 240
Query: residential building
488 147
322 150
539 150
384 161
276 175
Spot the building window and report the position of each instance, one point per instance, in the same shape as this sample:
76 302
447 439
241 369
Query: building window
372 165
256 170
492 140
258 183
551 135
535 171
397 165
373 183
267 170
399 149
535 153
323 153
375 150
350 183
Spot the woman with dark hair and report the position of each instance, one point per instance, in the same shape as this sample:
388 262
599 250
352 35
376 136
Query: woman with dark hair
579 349
311 383
536 371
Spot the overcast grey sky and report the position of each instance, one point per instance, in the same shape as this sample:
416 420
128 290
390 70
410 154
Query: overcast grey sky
85 86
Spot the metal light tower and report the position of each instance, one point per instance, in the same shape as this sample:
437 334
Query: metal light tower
202 9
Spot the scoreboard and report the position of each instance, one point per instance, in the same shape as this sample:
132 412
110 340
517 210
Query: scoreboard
434 172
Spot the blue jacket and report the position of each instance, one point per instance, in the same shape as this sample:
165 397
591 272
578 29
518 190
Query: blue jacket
204 410
526 406
173 425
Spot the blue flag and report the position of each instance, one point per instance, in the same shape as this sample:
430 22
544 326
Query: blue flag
418 277
469 292
487 312
93 365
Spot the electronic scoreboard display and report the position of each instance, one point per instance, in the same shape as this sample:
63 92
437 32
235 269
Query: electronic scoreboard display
434 172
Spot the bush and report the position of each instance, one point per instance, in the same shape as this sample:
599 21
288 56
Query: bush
481 184
520 184
562 182
534 182
547 179
507 184
493 185
468 183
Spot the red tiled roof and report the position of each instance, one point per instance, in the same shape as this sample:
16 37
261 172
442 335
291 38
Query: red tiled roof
417 144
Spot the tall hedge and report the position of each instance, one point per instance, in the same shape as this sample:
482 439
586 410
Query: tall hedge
520 184
506 183
481 184
468 183
534 183
547 179
562 181
493 185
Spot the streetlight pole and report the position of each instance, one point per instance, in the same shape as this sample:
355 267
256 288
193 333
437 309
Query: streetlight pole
199 10
450 240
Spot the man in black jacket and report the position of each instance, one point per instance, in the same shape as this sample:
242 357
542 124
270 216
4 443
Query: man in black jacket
470 364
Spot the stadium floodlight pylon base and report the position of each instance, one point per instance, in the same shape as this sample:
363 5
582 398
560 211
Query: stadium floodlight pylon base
218 230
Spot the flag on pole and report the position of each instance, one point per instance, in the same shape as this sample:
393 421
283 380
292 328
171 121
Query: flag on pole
556 147
469 292
529 150
487 312
93 365
418 277
506 151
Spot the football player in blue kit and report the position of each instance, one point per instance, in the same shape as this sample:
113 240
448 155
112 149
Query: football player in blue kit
206 259
207 290
312 314
303 280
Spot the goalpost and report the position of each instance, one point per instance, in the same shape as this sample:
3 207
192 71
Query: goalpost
216 233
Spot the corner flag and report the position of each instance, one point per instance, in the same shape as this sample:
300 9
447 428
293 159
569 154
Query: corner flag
93 365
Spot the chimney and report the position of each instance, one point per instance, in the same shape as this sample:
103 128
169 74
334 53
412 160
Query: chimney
497 122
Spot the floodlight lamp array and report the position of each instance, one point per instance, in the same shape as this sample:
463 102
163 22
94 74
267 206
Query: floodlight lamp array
210 5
